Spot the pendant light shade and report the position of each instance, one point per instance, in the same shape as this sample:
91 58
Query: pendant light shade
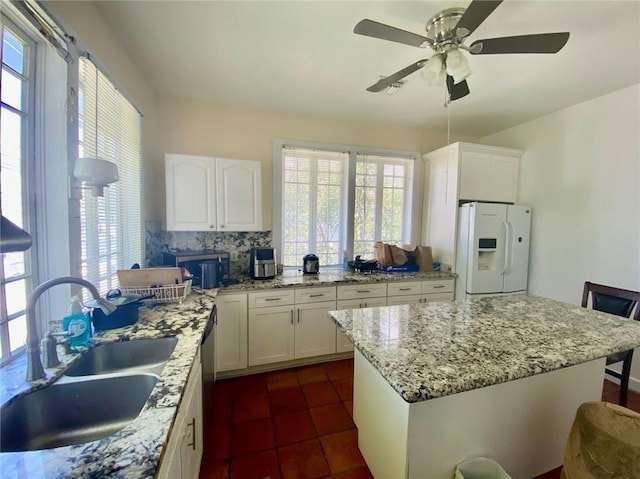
433 71
96 173
457 65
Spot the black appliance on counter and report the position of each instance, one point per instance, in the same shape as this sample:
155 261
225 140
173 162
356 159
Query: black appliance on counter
209 268
262 263
364 265
310 264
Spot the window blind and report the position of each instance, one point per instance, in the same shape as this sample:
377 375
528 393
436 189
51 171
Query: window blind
111 226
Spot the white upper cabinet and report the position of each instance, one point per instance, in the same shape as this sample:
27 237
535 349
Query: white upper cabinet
488 176
191 201
239 195
213 194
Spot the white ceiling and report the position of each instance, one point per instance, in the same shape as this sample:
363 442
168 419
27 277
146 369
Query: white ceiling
302 57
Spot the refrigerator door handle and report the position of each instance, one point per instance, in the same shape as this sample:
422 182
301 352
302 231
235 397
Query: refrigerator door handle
509 248
506 248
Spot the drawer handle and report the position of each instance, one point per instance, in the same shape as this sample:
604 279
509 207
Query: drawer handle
192 424
405 289
319 295
272 299
363 291
438 286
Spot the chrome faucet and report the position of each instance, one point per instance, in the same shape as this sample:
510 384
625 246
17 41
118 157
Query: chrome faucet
34 364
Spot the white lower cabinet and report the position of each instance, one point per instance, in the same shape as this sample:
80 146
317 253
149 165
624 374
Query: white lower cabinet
315 332
231 332
271 335
300 328
183 455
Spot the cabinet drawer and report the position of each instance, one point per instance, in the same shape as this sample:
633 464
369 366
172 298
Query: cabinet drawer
438 297
362 291
272 297
403 289
409 299
314 295
444 286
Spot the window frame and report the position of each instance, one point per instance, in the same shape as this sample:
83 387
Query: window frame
412 228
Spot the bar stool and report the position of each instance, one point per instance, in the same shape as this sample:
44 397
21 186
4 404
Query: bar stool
621 303
604 443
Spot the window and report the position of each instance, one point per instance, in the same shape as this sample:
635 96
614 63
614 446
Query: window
313 196
337 198
16 144
382 185
111 226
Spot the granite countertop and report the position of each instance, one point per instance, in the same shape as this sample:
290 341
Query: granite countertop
431 350
133 452
294 278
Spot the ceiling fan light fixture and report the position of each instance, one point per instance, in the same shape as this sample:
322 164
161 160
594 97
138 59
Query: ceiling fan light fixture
433 71
457 66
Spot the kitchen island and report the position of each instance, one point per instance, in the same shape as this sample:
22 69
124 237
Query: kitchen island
439 382
137 450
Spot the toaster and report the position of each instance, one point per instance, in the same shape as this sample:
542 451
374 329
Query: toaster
262 263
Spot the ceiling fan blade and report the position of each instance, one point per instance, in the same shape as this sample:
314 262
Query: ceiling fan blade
399 75
537 43
374 29
457 91
476 13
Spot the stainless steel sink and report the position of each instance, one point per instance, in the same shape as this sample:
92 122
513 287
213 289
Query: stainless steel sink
73 413
140 355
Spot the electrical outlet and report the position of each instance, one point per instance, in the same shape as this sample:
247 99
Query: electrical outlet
233 255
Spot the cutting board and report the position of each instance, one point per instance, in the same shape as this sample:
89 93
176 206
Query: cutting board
145 277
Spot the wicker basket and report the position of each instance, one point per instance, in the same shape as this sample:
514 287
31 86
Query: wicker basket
173 293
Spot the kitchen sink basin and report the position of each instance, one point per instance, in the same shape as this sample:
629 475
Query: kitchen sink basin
74 412
141 355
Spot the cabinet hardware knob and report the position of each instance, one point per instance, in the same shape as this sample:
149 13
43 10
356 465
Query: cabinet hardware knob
221 226
210 226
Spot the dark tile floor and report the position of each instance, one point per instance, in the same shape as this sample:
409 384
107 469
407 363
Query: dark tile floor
295 424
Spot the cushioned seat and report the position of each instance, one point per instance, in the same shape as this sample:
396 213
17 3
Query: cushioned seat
621 303
604 443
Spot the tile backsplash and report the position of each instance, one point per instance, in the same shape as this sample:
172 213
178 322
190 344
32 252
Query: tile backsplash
237 243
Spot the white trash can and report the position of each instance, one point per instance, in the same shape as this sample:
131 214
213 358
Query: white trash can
480 468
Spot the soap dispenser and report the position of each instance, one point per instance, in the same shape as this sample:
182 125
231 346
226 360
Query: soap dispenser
78 323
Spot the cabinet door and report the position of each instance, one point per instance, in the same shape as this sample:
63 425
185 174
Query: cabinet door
475 172
191 447
231 332
239 195
170 466
315 332
271 335
504 178
191 201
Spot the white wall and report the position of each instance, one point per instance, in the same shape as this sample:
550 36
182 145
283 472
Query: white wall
581 175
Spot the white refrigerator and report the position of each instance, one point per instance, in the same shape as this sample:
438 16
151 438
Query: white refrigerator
493 248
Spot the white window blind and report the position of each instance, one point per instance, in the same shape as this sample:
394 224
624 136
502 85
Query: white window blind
313 191
111 226
381 201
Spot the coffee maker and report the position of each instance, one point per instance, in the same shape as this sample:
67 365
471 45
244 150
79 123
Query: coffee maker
262 263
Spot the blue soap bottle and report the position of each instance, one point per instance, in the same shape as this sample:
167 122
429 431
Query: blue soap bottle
78 322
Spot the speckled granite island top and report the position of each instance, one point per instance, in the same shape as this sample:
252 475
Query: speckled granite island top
436 349
294 278
133 452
